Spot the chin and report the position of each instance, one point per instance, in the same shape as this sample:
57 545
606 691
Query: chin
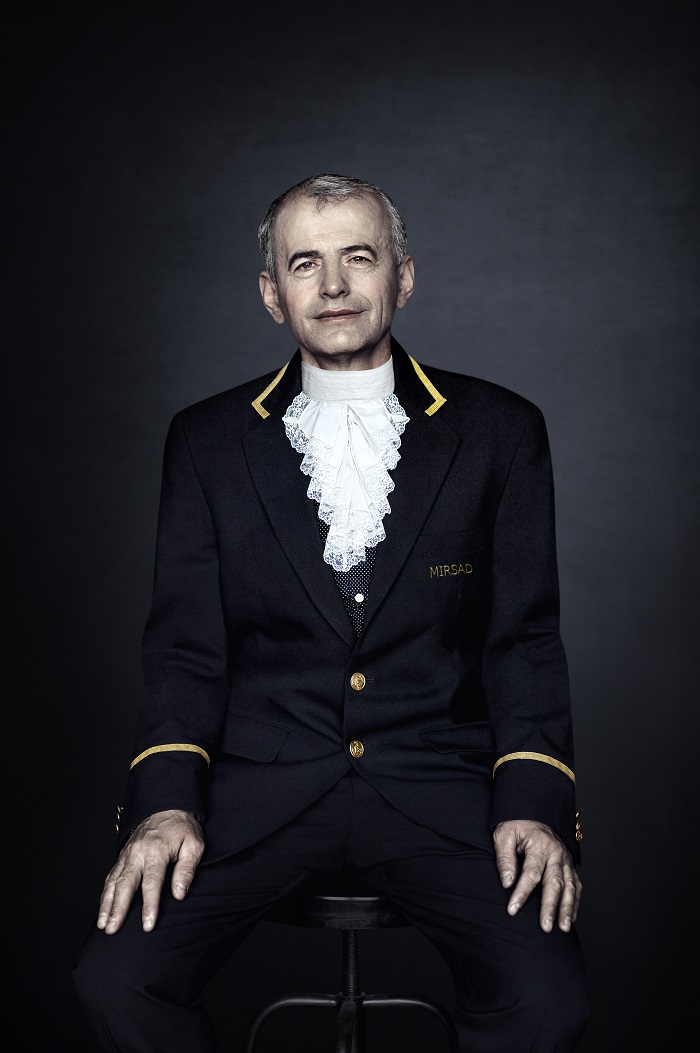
334 350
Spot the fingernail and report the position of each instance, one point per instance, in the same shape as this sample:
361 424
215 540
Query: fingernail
547 925
507 878
566 925
513 908
147 923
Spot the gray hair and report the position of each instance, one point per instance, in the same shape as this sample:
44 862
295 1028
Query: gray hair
325 187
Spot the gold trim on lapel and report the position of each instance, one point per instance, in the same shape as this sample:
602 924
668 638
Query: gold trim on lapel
257 403
440 400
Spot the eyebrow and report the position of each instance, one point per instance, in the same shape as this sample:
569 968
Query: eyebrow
314 254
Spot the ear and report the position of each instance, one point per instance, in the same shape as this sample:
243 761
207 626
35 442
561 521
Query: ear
268 291
406 281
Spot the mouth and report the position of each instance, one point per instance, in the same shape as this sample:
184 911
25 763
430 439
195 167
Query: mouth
330 316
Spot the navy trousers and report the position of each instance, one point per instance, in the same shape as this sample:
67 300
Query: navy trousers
517 989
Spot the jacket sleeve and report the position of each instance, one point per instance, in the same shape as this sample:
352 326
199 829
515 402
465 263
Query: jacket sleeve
184 651
524 673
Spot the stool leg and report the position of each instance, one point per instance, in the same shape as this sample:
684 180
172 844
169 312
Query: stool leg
321 1000
387 1001
346 1028
351 1018
351 963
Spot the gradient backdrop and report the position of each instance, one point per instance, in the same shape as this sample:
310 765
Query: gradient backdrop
544 157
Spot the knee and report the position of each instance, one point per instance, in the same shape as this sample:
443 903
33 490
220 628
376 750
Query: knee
572 1020
540 1008
558 1012
97 988
88 987
547 1024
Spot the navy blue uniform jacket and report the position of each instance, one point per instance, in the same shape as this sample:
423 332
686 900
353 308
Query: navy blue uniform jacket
248 709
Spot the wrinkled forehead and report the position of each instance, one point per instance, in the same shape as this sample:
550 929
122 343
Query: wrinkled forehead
329 224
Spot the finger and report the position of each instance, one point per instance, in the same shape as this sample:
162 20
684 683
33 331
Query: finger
506 856
124 889
183 874
568 900
151 888
107 899
552 892
577 901
528 881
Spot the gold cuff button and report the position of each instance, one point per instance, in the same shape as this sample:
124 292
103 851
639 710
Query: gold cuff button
357 681
579 829
356 747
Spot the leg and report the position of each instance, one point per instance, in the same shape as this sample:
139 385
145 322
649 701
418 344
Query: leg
142 992
516 988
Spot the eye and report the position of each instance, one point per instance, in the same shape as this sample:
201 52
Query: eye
359 260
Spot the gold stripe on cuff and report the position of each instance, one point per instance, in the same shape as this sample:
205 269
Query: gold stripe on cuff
440 400
179 747
257 403
526 755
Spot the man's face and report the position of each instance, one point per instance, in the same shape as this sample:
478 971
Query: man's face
337 284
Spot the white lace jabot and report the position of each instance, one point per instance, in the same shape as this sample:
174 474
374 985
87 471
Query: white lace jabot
348 424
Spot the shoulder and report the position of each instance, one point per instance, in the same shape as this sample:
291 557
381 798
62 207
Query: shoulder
469 398
232 408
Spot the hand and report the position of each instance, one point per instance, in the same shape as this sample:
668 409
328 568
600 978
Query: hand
162 838
545 858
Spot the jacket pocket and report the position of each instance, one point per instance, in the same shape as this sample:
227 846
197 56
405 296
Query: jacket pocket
453 557
251 738
460 541
476 737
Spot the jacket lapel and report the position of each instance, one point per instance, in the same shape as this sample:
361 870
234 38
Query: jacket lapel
274 467
428 447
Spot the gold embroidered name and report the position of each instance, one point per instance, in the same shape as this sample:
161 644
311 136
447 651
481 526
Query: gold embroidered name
448 570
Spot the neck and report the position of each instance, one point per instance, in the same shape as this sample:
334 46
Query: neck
348 360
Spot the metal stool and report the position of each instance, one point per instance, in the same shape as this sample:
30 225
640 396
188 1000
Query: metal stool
341 902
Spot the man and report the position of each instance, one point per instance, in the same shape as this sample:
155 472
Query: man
352 659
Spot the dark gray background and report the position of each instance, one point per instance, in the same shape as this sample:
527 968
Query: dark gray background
545 161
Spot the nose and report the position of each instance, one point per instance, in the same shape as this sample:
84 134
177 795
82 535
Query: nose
334 281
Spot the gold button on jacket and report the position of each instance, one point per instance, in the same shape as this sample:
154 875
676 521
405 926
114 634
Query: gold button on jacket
356 747
357 681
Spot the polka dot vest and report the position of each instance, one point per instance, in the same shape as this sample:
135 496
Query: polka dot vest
353 583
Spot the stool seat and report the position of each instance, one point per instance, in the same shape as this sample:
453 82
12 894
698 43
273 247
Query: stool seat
341 901
337 901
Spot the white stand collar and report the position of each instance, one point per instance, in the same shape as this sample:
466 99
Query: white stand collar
347 385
